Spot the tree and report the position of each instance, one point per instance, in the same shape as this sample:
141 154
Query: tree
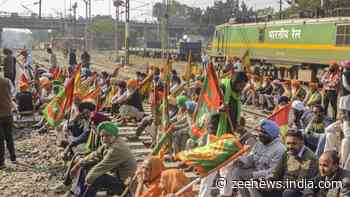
103 30
304 8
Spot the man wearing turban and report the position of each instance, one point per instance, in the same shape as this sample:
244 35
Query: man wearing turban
110 165
130 102
259 163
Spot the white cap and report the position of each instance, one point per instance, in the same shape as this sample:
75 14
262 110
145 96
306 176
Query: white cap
298 105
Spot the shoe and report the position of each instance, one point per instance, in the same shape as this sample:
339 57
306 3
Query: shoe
147 144
42 130
37 125
189 169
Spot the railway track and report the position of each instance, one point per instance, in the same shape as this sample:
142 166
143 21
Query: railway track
138 148
141 151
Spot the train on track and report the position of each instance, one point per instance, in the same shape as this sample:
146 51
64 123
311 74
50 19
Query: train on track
309 44
181 51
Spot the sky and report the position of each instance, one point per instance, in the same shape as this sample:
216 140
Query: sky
140 9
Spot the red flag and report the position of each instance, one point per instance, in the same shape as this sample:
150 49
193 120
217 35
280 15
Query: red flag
56 73
23 78
281 117
209 101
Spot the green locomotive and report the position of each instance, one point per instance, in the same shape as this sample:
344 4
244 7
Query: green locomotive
312 43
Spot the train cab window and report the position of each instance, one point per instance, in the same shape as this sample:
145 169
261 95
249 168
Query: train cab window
261 35
343 35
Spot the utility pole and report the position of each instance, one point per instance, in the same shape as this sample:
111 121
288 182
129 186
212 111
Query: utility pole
65 8
127 39
74 7
39 9
280 9
87 22
117 4
90 22
164 28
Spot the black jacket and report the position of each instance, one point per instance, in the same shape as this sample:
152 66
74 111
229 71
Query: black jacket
135 100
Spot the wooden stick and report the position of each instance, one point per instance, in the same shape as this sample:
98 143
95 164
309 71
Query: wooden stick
139 188
182 190
223 164
127 189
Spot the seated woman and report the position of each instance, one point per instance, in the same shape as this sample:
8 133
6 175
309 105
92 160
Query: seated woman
149 174
173 180
109 166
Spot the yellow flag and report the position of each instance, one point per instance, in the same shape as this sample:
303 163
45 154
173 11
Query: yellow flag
108 102
246 62
188 71
77 82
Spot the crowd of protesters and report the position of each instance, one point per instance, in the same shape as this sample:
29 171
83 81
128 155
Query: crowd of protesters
315 147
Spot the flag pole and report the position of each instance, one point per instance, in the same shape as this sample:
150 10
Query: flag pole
223 164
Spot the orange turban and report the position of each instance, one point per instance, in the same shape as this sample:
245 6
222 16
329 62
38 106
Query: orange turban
23 86
333 63
295 83
132 83
45 82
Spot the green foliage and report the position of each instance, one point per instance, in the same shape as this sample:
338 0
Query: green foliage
102 29
203 22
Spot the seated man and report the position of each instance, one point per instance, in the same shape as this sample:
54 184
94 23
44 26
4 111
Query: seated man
182 125
329 170
301 116
130 103
111 164
24 99
121 89
92 142
46 93
314 97
298 92
81 122
298 163
259 163
315 130
265 93
96 119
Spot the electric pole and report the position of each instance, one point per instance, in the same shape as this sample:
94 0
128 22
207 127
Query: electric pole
127 39
280 9
74 7
39 9
87 22
117 4
164 27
